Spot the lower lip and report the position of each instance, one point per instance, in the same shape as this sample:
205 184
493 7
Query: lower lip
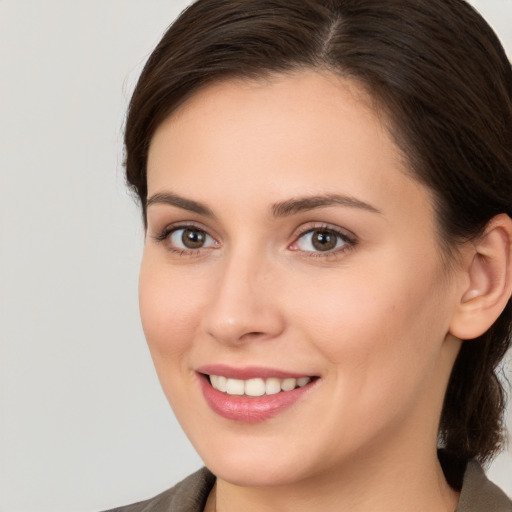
249 409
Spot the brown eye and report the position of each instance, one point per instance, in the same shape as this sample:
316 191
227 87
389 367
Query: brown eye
322 240
191 238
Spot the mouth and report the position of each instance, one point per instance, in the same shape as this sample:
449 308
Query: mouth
252 395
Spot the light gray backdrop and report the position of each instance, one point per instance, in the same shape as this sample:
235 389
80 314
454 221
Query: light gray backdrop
83 423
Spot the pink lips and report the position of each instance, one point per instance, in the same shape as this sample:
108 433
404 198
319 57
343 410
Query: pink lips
248 409
248 372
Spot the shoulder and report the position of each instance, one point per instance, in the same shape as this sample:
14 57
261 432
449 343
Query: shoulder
187 496
479 494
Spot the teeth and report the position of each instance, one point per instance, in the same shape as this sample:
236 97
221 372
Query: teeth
288 384
303 381
272 386
222 383
256 387
235 387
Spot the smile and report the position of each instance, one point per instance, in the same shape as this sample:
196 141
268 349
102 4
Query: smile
256 387
252 395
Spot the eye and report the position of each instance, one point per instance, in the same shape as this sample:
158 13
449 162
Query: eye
189 238
321 240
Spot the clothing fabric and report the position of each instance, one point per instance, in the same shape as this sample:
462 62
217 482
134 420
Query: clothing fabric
189 495
478 494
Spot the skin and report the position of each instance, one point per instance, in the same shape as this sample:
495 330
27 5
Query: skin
371 317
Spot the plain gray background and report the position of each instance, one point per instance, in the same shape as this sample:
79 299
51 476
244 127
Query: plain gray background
83 423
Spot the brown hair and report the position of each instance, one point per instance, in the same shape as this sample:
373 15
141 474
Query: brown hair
442 77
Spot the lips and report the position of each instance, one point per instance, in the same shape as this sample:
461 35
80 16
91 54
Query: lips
251 395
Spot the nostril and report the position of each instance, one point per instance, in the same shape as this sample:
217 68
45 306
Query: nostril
252 335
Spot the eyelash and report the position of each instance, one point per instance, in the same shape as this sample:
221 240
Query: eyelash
350 241
169 230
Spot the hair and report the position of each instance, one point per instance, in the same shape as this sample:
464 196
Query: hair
442 78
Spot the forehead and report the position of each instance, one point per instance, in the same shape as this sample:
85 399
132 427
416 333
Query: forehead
285 135
309 86
297 116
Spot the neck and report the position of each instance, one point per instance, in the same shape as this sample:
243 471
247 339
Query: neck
413 483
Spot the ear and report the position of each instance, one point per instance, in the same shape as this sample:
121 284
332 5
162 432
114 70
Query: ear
487 283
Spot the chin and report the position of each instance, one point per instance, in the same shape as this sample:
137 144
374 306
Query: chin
247 473
251 462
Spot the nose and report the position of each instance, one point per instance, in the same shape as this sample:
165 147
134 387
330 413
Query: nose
243 303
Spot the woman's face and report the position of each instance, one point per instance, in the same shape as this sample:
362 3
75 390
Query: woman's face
287 248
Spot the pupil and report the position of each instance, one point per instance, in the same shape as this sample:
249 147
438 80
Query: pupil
193 238
324 240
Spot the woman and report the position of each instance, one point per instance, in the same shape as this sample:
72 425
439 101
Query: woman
326 281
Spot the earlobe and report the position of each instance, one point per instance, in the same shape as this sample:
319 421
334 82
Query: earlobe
488 280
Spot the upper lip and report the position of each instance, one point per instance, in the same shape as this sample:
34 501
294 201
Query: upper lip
249 372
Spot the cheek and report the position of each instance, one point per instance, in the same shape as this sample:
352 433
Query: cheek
379 323
381 339
169 311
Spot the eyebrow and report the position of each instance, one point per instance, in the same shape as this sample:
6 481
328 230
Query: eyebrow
280 209
302 204
180 202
